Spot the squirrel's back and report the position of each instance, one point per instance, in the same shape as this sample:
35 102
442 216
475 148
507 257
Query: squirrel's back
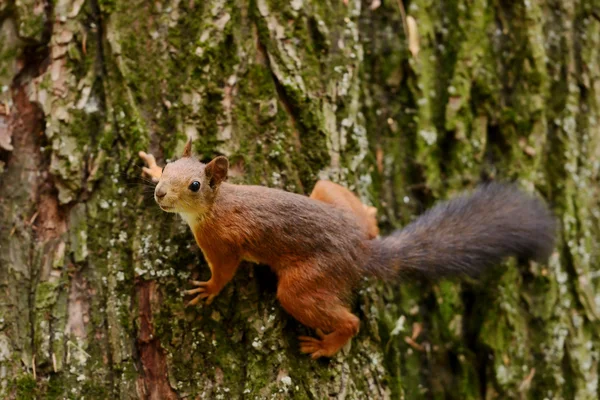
279 226
465 235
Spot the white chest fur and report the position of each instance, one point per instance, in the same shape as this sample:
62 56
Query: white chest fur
191 219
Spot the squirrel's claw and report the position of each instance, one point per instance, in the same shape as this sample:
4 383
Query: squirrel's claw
209 298
312 346
204 290
194 291
326 346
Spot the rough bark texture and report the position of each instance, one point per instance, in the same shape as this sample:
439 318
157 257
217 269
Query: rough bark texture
91 272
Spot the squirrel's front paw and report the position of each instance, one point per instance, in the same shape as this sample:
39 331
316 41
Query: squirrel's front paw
207 290
153 171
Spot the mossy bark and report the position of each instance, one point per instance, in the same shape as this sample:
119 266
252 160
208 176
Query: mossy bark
92 273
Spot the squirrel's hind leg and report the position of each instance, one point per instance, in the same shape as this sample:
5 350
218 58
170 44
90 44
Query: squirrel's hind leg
342 198
321 309
330 343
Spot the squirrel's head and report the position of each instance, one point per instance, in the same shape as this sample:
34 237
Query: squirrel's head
189 186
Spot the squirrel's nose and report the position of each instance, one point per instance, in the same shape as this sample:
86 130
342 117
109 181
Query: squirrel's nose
160 193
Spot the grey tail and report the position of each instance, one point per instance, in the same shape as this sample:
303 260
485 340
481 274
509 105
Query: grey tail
468 234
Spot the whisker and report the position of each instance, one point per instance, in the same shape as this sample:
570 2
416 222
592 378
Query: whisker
129 178
149 181
125 175
130 184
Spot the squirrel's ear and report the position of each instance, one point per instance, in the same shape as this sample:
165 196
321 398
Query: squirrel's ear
187 150
216 170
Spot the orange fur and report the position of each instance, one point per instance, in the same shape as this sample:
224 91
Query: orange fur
340 197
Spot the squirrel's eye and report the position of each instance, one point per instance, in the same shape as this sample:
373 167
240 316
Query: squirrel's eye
194 186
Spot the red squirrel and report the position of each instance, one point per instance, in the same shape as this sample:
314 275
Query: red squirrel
321 251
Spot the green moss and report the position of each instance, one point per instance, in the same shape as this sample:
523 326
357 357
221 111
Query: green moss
295 87
46 294
31 24
268 143
26 388
108 6
96 390
55 388
486 78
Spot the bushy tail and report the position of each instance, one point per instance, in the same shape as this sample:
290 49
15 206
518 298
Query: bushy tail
465 235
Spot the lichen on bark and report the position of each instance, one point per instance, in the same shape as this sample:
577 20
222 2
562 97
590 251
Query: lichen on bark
92 276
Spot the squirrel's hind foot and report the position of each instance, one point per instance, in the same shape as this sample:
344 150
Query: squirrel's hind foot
326 346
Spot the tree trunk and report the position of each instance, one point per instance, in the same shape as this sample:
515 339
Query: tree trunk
403 103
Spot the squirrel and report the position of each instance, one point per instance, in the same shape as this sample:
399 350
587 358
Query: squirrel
321 252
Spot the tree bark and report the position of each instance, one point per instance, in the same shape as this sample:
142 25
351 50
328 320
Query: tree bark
403 102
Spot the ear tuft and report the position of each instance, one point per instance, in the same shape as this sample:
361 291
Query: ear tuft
187 150
216 170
